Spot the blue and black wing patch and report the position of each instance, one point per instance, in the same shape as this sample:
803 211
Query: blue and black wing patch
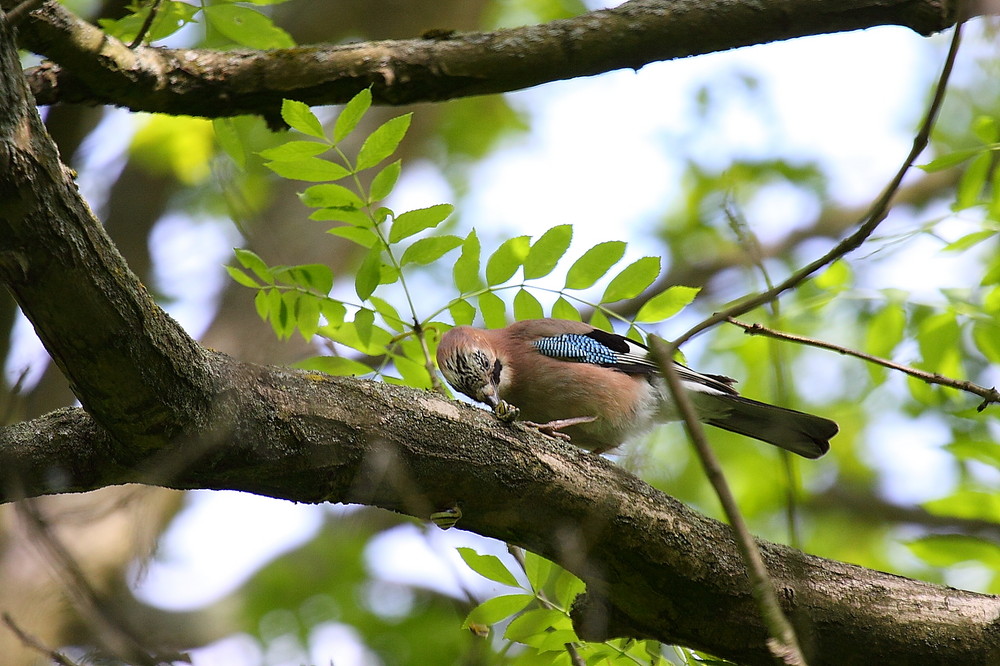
599 348
610 350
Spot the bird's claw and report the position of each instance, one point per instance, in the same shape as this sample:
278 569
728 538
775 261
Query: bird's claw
506 412
447 518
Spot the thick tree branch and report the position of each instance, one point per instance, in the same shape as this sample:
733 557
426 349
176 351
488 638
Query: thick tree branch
92 68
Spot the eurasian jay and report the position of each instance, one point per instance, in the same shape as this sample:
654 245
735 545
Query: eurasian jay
602 388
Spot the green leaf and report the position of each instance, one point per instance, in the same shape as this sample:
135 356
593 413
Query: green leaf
351 114
414 221
503 263
300 117
600 320
334 365
362 237
986 130
247 27
462 312
283 315
563 309
466 271
594 264
294 150
310 169
352 216
364 320
633 280
967 504
986 335
666 304
496 609
949 160
262 302
369 273
969 240
546 252
241 278
307 315
836 277
249 259
333 311
426 250
331 195
532 625
945 550
389 314
970 185
384 181
493 310
488 566
526 306
315 277
885 330
537 569
567 587
383 141
228 136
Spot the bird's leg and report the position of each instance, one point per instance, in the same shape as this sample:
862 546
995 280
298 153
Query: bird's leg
552 428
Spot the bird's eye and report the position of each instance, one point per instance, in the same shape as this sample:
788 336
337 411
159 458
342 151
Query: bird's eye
497 367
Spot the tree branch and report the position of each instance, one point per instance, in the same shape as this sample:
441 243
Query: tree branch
989 395
92 68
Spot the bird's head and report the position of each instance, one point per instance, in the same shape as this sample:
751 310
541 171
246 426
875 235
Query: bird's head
471 364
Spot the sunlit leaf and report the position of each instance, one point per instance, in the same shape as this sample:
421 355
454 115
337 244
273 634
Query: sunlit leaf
594 264
369 273
249 259
247 27
414 221
944 550
359 235
493 309
307 315
949 160
352 114
503 263
334 365
970 185
466 271
563 309
546 252
383 141
666 304
294 150
426 250
330 195
496 609
240 277
633 280
300 117
526 306
488 566
462 312
384 181
531 626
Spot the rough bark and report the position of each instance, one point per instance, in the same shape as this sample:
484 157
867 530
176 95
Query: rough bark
161 410
92 68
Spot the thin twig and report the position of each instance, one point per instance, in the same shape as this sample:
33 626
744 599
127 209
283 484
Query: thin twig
989 395
35 644
778 627
878 211
146 25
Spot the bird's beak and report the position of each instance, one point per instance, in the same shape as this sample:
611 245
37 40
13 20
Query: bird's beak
490 396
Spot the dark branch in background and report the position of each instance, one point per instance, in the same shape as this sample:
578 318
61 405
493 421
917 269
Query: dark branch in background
878 212
989 395
27 639
90 67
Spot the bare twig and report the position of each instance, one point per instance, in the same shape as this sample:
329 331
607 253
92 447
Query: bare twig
989 395
784 644
35 644
146 24
878 212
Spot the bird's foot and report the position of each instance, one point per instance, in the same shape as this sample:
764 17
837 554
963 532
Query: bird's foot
552 428
447 518
506 412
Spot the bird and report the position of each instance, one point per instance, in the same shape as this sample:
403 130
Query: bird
599 389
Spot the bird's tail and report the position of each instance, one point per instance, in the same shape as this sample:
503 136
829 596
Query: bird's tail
798 432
